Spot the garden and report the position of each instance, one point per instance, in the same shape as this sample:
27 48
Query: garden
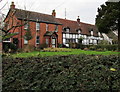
91 69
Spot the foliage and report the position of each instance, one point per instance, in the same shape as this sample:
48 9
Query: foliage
73 73
9 47
107 47
28 48
28 35
108 17
103 42
42 46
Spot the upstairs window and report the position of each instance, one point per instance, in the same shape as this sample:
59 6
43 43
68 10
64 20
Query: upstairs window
26 26
46 27
37 26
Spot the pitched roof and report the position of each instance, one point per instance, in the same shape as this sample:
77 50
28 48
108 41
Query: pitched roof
35 16
74 26
45 18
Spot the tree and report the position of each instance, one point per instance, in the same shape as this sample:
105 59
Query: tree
8 23
108 16
28 35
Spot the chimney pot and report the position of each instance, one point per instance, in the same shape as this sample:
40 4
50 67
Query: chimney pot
12 6
53 13
78 19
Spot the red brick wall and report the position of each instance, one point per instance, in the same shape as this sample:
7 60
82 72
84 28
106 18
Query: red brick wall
42 31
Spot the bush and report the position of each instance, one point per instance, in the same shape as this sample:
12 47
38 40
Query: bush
73 73
9 47
42 46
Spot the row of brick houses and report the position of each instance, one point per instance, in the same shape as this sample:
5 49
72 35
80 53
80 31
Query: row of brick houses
47 29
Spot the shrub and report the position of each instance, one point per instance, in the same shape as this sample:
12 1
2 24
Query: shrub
42 46
73 73
9 47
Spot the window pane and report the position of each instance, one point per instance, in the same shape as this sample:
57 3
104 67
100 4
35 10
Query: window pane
25 41
37 40
37 26
26 26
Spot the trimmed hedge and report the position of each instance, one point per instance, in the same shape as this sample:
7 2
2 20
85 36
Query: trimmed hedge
113 47
73 73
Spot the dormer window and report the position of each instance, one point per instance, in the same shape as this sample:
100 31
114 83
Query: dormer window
91 32
67 30
79 31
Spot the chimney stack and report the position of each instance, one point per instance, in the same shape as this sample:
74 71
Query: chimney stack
53 13
78 20
12 6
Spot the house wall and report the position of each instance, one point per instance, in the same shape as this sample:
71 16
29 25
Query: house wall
87 40
34 32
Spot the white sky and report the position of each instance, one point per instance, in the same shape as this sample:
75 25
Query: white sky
86 9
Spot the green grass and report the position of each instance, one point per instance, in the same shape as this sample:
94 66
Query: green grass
73 51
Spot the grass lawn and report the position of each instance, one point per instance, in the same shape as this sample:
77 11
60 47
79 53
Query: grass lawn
73 51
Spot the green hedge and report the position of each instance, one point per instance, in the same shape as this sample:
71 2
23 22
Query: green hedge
73 73
99 47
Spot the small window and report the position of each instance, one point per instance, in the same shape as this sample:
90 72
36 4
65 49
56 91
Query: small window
67 41
25 41
46 27
37 26
79 32
67 30
26 26
56 28
91 32
37 40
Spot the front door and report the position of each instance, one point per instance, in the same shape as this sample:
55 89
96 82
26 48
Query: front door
54 42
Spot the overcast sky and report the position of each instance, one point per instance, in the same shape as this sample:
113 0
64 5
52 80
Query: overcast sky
86 9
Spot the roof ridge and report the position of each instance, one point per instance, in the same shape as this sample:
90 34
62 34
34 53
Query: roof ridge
33 12
67 20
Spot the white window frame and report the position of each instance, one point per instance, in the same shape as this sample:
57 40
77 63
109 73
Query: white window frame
79 31
67 30
91 32
25 41
8 40
37 26
26 26
46 27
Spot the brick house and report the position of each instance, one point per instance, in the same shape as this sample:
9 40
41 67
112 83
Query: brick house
47 29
